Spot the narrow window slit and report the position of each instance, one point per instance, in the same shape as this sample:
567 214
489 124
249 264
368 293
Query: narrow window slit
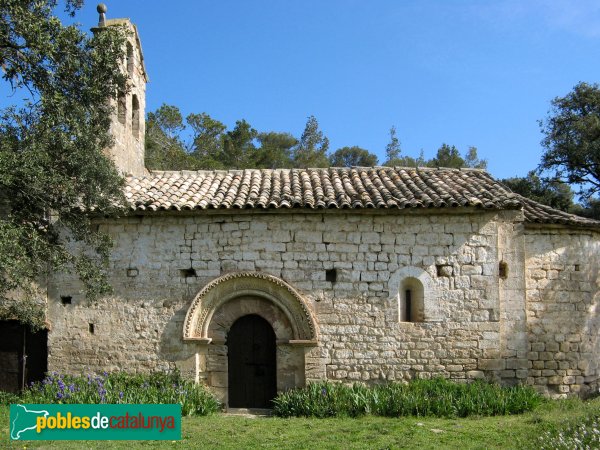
503 270
122 108
135 116
188 273
411 301
331 275
129 59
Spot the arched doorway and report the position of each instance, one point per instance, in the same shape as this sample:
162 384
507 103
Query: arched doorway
251 363
222 302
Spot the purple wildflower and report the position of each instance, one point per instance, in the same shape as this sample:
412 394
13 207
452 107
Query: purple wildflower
120 395
72 387
59 395
323 392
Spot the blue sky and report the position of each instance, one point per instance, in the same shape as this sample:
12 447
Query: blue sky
464 72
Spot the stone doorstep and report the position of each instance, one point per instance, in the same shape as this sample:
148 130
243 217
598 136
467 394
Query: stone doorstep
249 412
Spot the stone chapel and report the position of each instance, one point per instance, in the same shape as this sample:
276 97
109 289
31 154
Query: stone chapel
257 281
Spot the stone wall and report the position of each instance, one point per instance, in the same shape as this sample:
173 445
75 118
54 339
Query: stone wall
474 270
128 126
161 262
562 310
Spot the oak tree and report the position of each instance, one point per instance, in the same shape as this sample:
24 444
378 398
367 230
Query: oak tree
572 139
53 174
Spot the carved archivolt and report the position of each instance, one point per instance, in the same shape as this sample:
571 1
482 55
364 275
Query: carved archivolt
256 284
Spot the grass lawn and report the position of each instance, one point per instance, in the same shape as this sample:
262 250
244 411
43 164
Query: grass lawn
224 431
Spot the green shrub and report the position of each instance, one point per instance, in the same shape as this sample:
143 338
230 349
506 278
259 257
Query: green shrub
119 387
6 398
436 397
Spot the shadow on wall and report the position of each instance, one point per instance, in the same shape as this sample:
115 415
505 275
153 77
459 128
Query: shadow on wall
563 317
172 347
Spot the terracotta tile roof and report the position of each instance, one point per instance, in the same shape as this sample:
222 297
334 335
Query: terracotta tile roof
352 188
538 213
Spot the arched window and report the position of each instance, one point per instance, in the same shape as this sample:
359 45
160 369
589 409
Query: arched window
411 300
135 116
122 108
129 59
413 297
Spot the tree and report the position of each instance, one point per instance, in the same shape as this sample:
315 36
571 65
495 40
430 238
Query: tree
53 173
407 161
472 159
239 151
208 140
164 148
311 151
555 194
352 156
572 139
275 150
392 149
449 156
590 208
168 120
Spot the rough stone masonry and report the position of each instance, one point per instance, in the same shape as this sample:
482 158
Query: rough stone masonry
363 274
535 323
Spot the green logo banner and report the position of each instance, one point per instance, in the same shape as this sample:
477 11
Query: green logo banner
95 422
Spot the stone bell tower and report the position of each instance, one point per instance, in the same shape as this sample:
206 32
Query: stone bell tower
128 125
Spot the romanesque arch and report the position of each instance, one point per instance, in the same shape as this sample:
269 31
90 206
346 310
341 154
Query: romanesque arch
276 295
225 300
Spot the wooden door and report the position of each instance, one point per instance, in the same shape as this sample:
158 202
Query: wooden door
251 363
23 355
